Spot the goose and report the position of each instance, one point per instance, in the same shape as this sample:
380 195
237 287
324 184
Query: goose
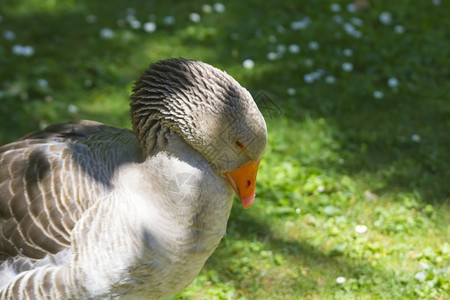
91 211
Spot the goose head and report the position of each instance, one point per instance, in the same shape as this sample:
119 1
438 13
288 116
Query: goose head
210 111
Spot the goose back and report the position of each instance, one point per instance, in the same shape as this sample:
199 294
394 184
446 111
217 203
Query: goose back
50 177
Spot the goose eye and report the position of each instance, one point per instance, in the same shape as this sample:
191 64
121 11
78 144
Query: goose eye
239 145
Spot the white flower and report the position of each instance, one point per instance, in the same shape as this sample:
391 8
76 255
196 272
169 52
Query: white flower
340 280
291 91
378 94
356 21
106 33
424 266
42 82
206 8
399 29
349 28
9 35
17 49
28 51
72 109
289 224
415 138
194 17
347 67
219 7
248 64
313 45
294 49
150 27
302 24
330 79
385 18
308 78
341 161
135 24
392 82
42 125
23 50
348 52
272 56
130 18
360 228
335 7
169 20
357 34
318 73
298 210
421 276
320 188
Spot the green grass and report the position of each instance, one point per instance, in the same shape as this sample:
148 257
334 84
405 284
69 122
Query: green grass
337 156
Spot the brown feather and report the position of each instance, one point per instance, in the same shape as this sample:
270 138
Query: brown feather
49 177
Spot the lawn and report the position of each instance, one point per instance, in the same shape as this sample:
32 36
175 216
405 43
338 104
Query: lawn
353 194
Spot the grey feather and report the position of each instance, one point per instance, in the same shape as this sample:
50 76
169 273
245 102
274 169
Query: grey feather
90 211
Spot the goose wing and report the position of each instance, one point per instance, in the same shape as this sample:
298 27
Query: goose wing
50 177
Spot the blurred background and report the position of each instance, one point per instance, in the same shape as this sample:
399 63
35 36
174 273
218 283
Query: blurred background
353 192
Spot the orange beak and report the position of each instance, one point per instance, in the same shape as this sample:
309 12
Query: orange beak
243 181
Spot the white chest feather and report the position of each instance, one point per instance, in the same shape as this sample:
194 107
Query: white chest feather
154 243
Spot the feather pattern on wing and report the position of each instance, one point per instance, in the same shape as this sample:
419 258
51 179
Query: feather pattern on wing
50 177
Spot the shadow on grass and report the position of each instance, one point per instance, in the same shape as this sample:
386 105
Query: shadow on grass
310 270
401 143
401 140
